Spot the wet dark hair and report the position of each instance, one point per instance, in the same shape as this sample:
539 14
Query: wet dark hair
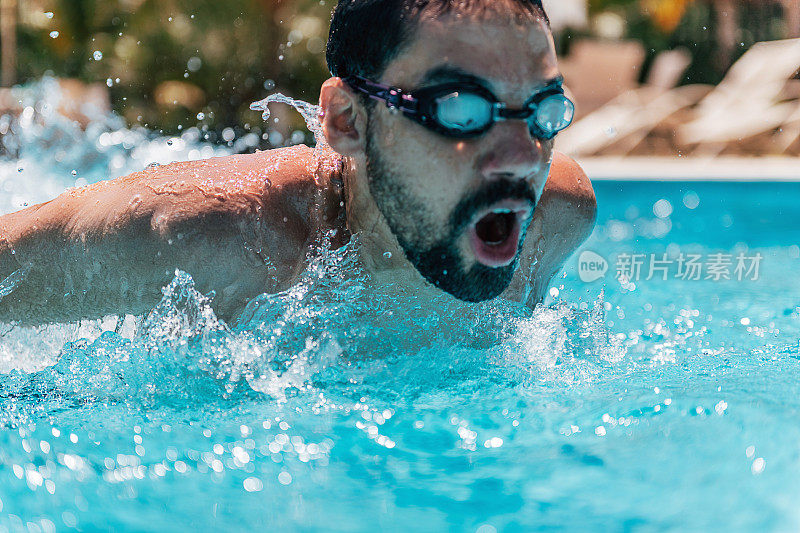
366 35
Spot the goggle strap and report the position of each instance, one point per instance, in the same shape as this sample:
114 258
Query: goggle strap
393 97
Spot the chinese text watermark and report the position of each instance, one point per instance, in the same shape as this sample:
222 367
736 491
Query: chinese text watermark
662 266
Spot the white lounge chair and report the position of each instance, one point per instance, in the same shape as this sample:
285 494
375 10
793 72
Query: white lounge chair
626 120
756 98
749 100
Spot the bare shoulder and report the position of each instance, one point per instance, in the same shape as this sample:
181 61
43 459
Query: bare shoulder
275 184
237 213
567 176
238 186
568 201
564 219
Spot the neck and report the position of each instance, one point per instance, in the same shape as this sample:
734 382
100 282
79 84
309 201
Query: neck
381 254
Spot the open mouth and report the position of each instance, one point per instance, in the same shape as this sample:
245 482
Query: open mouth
495 232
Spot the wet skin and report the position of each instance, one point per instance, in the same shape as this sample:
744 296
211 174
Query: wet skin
242 225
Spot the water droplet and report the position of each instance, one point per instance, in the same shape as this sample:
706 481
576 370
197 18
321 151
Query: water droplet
74 172
97 55
20 169
109 82
48 14
53 34
691 200
169 142
387 255
194 63
201 116
154 164
662 208
267 184
253 484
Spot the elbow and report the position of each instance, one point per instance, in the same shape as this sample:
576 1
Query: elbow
571 189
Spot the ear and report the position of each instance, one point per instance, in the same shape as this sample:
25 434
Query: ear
343 118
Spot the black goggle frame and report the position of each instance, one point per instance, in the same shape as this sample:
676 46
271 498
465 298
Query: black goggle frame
420 105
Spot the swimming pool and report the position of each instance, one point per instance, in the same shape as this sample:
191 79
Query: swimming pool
628 404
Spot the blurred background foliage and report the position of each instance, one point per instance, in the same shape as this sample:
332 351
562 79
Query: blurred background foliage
171 64
693 25
178 63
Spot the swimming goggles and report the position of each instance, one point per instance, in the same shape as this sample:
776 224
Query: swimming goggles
467 110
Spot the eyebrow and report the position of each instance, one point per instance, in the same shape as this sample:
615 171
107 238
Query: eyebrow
450 73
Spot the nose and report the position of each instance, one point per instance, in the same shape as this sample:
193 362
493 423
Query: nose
511 153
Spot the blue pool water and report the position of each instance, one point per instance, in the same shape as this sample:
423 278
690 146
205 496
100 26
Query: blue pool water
626 405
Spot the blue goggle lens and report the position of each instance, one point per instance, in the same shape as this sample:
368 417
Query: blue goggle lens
464 111
471 113
554 114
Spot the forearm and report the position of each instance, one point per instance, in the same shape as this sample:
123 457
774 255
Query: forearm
114 260
60 276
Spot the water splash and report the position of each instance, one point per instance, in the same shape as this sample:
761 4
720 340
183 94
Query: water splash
13 280
332 331
39 147
310 113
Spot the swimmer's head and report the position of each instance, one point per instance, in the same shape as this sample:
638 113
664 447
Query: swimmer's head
458 207
365 35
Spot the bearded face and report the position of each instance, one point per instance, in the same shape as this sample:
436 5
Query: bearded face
434 247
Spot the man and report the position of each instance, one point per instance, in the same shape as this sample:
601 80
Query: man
439 121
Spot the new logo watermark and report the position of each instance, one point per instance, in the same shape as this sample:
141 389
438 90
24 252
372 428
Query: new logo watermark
591 266
632 267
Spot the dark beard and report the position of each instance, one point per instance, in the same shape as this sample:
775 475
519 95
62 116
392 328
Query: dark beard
441 264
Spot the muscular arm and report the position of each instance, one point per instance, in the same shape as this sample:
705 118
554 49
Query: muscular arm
563 220
237 224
